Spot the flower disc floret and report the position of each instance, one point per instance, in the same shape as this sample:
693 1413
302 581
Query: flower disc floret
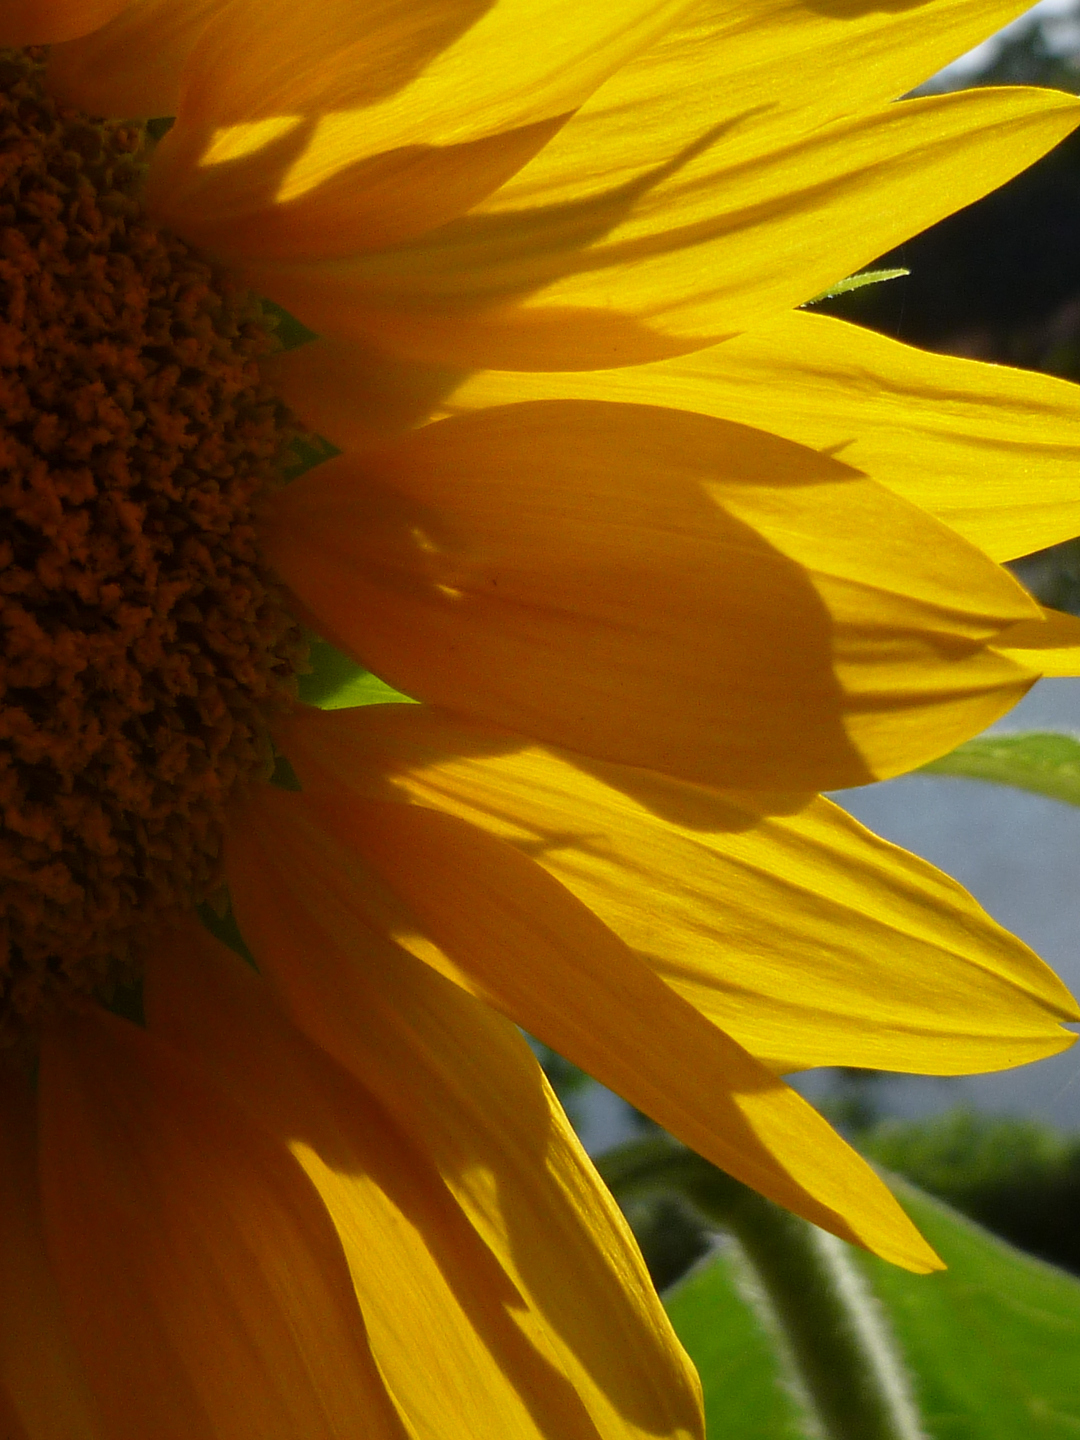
144 646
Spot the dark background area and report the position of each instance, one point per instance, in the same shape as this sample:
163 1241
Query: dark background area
999 280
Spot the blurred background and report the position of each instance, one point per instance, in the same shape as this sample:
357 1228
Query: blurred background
999 281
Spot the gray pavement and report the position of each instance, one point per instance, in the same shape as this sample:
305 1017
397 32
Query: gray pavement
1019 855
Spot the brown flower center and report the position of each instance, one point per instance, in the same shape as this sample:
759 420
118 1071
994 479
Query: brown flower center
143 647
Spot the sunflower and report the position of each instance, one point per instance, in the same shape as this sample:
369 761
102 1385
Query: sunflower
660 555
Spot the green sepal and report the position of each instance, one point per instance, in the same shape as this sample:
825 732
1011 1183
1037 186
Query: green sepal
857 282
221 922
1044 762
292 333
336 682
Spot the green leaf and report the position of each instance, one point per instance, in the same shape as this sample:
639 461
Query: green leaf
992 1343
741 1379
336 682
1044 762
856 282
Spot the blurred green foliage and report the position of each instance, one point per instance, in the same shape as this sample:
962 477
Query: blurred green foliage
672 1238
1019 1178
990 1343
1042 762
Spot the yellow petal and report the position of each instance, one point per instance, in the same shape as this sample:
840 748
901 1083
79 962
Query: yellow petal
43 1391
343 196
206 1286
790 64
40 22
458 1347
1050 645
990 450
255 206
807 938
435 72
415 111
516 938
657 588
733 226
131 66
461 1082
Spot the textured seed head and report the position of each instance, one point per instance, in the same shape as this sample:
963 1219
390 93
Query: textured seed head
143 646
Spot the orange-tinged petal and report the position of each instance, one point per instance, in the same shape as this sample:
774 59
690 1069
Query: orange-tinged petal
205 1284
657 588
990 450
731 227
132 66
43 1391
422 1274
249 208
10 1423
461 1082
360 396
869 956
1050 645
40 22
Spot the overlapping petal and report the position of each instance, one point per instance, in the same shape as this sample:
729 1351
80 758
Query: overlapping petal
515 938
990 450
39 22
728 229
1050 645
657 588
870 957
380 123
613 561
416 1263
461 1083
779 66
248 204
205 1284
433 71
43 1390
359 396
133 65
